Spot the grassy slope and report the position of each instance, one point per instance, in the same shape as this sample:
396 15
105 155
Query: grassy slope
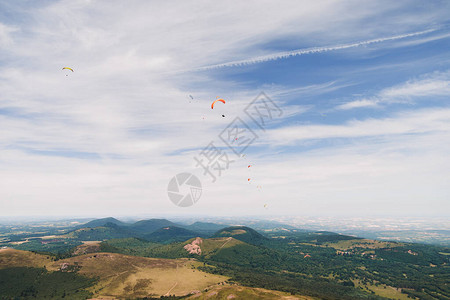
132 276
241 292
211 245
382 290
22 270
18 258
87 247
362 243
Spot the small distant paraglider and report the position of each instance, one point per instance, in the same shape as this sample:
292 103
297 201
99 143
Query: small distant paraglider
248 179
249 166
67 68
265 205
190 96
218 100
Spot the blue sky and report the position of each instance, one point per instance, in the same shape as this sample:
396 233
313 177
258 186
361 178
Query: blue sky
364 89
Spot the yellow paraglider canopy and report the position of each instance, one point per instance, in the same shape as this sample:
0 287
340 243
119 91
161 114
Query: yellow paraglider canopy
67 68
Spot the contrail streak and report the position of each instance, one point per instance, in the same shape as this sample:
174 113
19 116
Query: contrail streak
286 54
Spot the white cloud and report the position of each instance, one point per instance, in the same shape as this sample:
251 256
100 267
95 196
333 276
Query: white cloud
357 104
427 87
6 39
413 122
436 84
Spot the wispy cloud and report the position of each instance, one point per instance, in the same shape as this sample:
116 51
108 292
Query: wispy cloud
436 84
5 35
357 104
287 54
422 121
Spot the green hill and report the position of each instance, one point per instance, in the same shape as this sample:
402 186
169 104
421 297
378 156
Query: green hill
106 232
130 246
38 283
204 227
101 222
170 234
151 225
242 233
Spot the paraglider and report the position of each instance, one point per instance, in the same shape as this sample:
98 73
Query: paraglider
248 179
220 100
191 97
67 68
249 166
265 205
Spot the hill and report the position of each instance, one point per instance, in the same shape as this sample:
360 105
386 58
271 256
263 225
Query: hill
141 227
125 276
170 234
28 275
134 246
234 291
86 247
151 225
208 247
39 283
130 246
17 258
222 249
204 227
102 274
101 222
105 232
242 233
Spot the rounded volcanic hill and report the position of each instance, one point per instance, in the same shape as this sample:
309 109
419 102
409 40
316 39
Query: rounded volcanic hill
242 233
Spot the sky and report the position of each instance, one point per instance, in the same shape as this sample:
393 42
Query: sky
362 91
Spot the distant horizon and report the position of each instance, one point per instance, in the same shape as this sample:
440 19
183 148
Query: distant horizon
265 216
409 229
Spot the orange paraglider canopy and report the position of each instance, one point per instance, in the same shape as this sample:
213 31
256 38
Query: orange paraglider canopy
221 100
